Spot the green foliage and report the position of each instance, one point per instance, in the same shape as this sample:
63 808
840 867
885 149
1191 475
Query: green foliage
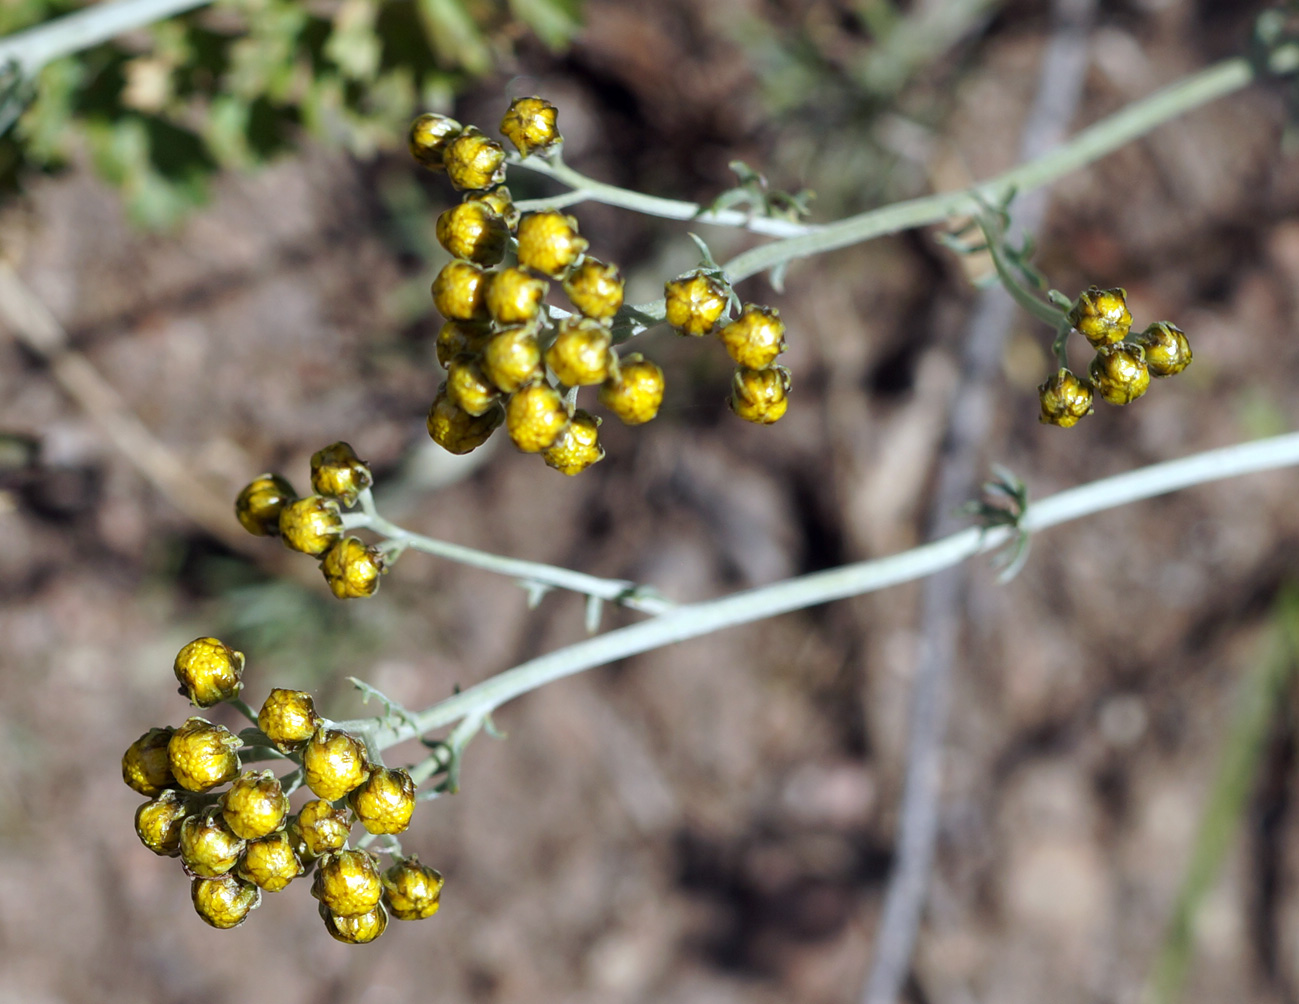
232 85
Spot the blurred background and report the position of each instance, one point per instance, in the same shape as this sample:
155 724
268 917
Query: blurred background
220 213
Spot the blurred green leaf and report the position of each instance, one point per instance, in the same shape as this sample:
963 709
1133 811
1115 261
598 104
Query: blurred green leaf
226 131
232 85
353 45
118 150
262 62
43 126
454 36
555 22
16 15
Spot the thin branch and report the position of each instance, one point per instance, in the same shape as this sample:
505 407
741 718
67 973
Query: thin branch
1091 144
620 591
35 327
33 48
1047 313
1064 65
698 619
586 189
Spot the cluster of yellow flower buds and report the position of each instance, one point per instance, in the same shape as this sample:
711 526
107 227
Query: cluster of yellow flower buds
269 507
238 843
1120 371
695 305
506 361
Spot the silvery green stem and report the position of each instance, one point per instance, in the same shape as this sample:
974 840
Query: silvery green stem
1092 143
29 50
751 605
586 189
532 573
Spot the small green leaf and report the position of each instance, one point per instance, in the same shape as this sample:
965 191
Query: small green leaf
706 255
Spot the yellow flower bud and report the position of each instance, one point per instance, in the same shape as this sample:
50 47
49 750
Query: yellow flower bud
209 671
347 882
270 862
428 139
311 525
337 473
1101 315
468 387
254 805
458 291
549 243
321 828
333 763
145 767
694 303
513 358
760 396
385 802
352 569
412 890
756 337
157 823
635 391
580 354
288 718
1065 399
473 231
530 125
473 161
1119 373
208 847
514 296
258 506
358 930
535 416
1167 350
578 447
224 901
457 431
202 755
595 289
499 200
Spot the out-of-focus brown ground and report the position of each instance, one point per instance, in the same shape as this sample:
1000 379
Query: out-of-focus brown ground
711 822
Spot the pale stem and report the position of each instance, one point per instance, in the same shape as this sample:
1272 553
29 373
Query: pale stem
586 189
620 591
1090 144
240 705
1030 304
32 48
699 619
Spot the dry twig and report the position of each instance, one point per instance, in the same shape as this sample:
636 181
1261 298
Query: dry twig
32 324
1063 69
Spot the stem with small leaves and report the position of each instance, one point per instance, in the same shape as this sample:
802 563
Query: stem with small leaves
1090 144
698 619
585 189
535 576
